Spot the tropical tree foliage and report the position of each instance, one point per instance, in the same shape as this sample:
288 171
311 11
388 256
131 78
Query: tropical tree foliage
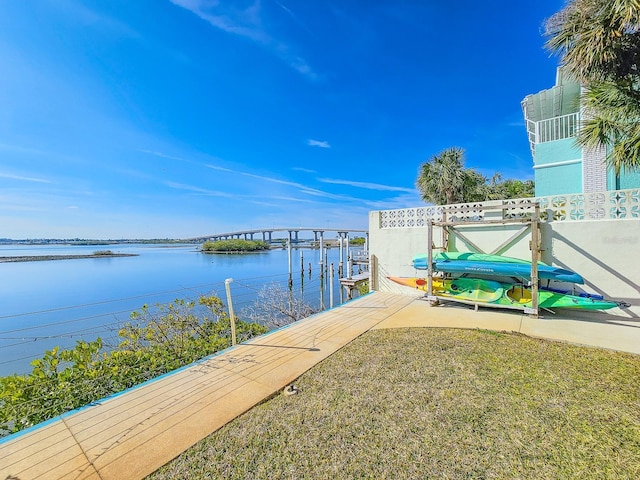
444 179
599 45
235 245
155 341
509 188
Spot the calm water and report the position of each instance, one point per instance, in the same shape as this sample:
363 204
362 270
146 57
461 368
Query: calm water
49 303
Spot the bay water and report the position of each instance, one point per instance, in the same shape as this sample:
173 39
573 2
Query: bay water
51 303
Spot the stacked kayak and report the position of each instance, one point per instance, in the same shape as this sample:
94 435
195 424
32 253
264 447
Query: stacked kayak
498 280
509 295
494 265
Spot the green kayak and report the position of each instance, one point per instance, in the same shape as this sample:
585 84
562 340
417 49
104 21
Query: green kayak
507 294
489 291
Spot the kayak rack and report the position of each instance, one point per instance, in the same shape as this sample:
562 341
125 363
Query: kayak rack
531 221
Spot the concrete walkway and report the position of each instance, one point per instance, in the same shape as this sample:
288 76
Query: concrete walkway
130 435
596 329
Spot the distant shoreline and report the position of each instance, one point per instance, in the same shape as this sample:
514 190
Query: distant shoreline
40 258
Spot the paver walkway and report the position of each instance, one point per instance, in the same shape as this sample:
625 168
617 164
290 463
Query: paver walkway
130 435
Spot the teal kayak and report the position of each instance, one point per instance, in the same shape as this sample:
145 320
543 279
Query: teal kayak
520 270
480 257
493 265
420 260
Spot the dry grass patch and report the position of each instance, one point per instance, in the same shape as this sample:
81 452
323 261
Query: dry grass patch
438 403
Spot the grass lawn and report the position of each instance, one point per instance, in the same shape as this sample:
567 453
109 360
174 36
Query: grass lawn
438 403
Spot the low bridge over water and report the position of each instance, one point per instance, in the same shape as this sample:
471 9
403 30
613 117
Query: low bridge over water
293 234
346 258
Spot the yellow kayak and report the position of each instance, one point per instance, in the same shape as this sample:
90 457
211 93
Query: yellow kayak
510 295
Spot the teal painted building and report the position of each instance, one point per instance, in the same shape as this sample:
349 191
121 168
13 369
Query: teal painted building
560 165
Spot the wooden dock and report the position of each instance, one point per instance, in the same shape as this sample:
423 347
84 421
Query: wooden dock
130 435
352 282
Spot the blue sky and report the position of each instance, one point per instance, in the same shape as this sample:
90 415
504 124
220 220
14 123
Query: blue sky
180 118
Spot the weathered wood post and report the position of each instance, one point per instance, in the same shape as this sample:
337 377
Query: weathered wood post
430 260
535 257
445 233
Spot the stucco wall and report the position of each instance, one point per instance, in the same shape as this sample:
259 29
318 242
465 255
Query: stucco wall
604 252
548 153
628 179
551 177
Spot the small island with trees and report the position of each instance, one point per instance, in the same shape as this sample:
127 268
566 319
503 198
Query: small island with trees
235 246
39 258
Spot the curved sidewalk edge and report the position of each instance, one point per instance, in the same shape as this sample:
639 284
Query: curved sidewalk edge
596 329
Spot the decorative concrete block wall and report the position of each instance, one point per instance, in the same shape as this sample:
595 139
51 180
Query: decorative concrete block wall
597 235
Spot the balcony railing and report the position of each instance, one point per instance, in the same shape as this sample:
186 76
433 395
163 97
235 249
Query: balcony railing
557 128
551 129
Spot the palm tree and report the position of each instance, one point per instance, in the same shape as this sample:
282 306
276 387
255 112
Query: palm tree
613 114
599 43
444 180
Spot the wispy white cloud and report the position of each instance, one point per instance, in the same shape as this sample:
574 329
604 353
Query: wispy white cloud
244 22
247 22
300 186
192 188
295 17
318 143
367 185
252 175
305 170
25 150
84 15
404 200
293 199
162 155
24 179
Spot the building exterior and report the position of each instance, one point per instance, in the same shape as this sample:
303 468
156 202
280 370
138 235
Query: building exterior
560 165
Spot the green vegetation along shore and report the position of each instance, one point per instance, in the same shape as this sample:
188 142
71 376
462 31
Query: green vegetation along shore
234 246
40 258
155 341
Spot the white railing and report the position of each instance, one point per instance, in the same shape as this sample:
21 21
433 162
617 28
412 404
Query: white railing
550 129
616 204
557 128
